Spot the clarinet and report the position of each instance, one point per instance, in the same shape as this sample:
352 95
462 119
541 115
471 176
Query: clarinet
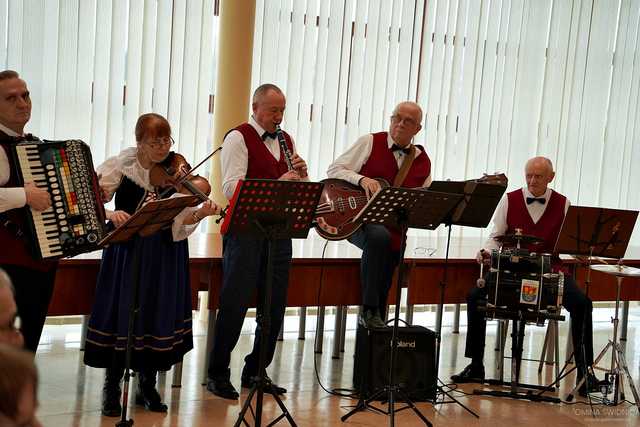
284 147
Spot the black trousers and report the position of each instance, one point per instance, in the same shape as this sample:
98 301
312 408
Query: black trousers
574 300
244 273
377 264
33 291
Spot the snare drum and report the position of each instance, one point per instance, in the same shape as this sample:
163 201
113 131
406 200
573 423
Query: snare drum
523 283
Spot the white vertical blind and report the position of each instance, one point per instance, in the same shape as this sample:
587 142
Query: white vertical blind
499 80
93 66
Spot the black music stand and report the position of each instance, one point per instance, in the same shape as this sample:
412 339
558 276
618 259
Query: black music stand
271 210
148 220
402 208
477 205
592 231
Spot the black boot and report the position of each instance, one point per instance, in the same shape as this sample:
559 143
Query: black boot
147 395
111 393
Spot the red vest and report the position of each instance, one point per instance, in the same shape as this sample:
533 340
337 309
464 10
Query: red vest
547 227
15 250
261 163
382 164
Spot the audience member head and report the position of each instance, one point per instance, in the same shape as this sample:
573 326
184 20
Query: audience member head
9 330
18 388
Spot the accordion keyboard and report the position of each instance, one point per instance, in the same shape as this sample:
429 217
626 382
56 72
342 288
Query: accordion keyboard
75 222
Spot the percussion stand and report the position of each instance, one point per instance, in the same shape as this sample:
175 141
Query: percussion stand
148 220
563 374
517 340
272 210
618 359
605 233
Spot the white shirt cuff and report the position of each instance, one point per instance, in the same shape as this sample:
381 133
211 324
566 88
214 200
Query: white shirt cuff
12 198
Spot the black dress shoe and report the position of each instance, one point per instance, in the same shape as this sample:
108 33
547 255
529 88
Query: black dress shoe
111 393
111 406
151 400
470 374
370 319
247 382
222 388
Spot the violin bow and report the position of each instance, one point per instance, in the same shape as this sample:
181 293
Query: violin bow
190 171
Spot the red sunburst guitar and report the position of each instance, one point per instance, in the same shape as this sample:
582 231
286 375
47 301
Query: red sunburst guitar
342 201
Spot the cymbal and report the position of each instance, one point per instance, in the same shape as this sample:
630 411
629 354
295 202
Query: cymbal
617 270
514 239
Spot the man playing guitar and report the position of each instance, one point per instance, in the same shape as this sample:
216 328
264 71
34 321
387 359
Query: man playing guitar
392 157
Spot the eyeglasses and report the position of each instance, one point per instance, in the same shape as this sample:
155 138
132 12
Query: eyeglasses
13 326
161 142
425 251
407 120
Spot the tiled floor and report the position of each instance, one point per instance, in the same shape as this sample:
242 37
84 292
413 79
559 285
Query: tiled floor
70 392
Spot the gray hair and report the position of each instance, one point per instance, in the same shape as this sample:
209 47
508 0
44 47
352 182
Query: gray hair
543 159
410 104
263 89
9 74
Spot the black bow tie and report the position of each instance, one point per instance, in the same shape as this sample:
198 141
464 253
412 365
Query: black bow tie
396 147
540 200
269 135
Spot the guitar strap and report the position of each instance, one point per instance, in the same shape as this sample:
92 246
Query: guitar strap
404 168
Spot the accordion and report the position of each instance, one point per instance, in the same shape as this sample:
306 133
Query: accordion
75 222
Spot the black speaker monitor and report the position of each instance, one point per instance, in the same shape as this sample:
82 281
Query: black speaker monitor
415 368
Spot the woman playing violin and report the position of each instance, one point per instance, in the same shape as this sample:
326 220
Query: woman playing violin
162 334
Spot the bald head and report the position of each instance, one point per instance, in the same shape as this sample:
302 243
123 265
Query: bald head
538 173
268 106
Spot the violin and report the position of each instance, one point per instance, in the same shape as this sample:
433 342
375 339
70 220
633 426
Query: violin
174 172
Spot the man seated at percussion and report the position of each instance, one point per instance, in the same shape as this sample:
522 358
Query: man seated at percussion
538 211
392 157
32 278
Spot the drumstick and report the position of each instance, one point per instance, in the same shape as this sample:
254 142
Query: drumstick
481 282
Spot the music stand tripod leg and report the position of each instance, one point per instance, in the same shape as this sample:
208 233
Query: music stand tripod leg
392 389
260 383
453 399
133 311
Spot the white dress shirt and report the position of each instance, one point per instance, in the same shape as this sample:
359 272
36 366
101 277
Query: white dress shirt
535 209
10 197
126 164
346 166
234 157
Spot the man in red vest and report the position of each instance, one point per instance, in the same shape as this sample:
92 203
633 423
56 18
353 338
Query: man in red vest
392 157
33 279
252 151
538 211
